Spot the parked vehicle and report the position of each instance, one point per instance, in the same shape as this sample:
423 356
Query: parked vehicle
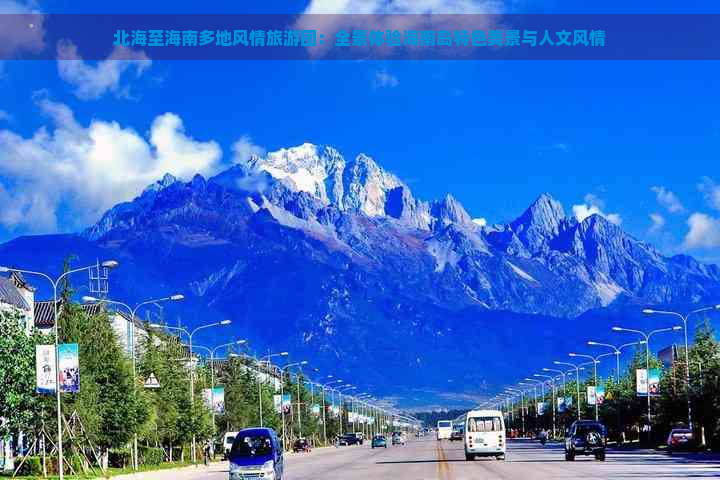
397 439
342 441
256 453
444 429
484 434
379 441
228 439
585 437
301 445
681 439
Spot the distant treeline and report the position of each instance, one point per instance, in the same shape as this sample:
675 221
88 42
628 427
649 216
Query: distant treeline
430 419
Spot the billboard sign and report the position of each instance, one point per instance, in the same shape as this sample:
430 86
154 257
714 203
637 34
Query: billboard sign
561 404
45 373
69 365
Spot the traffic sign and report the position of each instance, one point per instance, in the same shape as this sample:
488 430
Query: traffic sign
152 382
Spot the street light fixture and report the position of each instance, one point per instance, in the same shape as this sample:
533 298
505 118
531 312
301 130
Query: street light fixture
108 264
257 365
647 336
131 341
684 318
190 335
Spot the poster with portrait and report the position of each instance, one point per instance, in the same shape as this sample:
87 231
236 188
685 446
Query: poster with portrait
69 365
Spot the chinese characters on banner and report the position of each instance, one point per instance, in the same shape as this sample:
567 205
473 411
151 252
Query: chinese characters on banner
45 372
541 408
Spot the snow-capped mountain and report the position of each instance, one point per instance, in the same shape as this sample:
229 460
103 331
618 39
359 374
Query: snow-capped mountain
305 249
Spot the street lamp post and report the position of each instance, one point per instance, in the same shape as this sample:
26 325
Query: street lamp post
324 386
108 264
131 341
212 351
595 362
257 365
340 391
616 351
647 336
684 319
522 405
552 382
282 393
190 334
557 371
577 382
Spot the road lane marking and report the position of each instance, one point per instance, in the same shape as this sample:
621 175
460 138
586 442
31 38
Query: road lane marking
443 465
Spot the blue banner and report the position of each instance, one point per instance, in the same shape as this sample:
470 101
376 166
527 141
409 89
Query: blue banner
360 37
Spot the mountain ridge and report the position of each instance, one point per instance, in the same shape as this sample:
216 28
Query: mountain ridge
359 275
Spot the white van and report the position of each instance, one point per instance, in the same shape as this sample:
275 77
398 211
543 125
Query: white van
228 440
484 434
444 429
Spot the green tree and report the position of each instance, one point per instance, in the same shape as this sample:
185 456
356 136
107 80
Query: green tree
21 408
108 404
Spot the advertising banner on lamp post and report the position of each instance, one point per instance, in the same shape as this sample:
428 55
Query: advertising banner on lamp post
600 394
69 365
591 395
641 386
561 404
218 399
45 373
654 382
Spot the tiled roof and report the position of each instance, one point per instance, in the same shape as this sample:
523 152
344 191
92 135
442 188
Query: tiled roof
9 294
20 281
45 313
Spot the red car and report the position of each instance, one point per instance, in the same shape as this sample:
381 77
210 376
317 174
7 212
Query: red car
681 439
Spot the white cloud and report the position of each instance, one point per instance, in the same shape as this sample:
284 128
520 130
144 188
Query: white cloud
704 232
480 222
711 190
383 79
5 116
244 148
66 175
92 82
668 199
658 222
593 206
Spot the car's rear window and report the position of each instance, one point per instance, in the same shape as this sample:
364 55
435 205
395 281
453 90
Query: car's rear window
443 424
484 424
251 446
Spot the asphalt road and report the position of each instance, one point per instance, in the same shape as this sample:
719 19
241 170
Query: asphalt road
427 459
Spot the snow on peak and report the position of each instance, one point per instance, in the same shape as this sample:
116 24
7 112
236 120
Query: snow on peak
309 168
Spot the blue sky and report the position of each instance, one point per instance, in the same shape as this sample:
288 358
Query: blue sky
637 141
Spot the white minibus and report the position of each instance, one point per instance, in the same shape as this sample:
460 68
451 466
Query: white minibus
484 434
444 429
